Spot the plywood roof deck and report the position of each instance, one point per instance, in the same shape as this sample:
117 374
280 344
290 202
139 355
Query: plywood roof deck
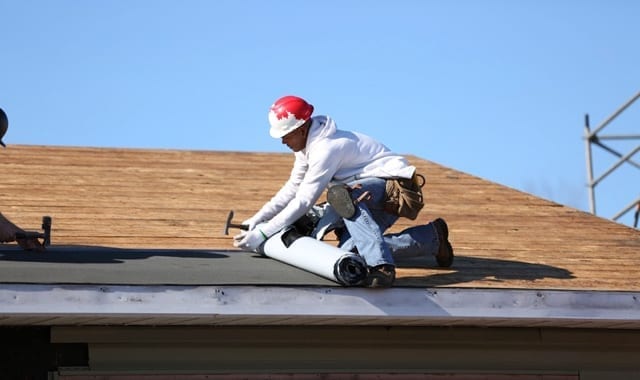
169 199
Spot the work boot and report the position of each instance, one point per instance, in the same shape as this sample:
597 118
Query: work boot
444 257
381 276
339 197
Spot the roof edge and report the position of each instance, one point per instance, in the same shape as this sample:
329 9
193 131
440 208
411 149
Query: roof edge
51 305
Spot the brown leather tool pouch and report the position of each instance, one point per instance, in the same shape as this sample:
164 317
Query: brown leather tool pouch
404 196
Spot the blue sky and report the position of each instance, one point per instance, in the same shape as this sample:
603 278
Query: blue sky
497 89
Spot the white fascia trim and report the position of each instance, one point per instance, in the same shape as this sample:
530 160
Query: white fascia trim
223 305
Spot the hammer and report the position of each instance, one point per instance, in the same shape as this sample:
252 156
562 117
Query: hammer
229 224
46 236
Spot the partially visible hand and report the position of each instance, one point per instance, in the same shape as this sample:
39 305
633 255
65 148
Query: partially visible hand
249 240
30 244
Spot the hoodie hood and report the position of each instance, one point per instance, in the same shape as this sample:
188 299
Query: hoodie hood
321 127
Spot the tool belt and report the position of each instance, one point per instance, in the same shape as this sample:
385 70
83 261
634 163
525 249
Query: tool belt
404 196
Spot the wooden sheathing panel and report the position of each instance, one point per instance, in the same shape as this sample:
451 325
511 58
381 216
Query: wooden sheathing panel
134 198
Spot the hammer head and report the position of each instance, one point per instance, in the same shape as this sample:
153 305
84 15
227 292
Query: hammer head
228 222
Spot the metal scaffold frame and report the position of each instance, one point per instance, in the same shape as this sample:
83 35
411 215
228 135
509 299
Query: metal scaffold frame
594 138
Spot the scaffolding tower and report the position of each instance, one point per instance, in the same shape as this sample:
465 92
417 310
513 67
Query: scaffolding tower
596 138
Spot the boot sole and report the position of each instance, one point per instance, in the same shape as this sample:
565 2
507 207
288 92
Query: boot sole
340 199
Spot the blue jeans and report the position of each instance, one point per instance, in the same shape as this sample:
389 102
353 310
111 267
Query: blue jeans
365 230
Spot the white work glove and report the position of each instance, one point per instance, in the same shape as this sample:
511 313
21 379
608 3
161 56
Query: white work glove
249 240
252 222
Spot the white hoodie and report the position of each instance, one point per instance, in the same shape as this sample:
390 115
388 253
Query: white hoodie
330 156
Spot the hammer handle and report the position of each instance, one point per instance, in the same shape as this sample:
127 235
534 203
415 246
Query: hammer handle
239 226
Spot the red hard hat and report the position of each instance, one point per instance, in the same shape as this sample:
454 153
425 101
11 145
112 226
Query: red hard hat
287 114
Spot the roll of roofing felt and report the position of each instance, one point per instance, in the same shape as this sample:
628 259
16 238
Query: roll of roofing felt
317 257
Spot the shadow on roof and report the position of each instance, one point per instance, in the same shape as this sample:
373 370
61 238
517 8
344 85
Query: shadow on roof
107 255
469 269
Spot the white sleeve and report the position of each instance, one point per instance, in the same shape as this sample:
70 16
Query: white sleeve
288 191
321 168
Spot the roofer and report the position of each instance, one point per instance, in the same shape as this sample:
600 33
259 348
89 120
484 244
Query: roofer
9 230
369 187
